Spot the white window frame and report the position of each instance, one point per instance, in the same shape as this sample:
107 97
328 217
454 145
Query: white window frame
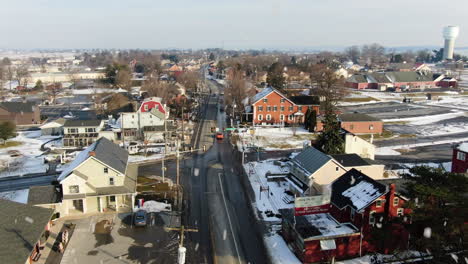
282 100
259 117
106 170
461 156
290 117
378 203
371 127
372 217
275 108
282 108
145 107
111 181
260 108
268 117
268 108
400 212
72 187
291 108
396 201
265 100
282 117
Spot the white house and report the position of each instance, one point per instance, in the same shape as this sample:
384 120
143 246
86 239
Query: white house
81 133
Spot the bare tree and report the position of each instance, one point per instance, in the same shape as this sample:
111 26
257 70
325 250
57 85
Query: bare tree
154 87
22 75
189 80
123 79
373 54
353 53
73 75
236 92
329 86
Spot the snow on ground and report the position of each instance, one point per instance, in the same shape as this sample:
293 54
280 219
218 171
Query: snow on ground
20 196
393 150
279 251
459 102
155 207
424 120
275 138
140 158
270 201
96 91
30 159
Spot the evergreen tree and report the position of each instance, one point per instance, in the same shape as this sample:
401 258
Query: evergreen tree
440 209
275 76
39 85
310 120
330 141
7 130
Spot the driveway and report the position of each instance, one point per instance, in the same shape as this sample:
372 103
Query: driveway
112 238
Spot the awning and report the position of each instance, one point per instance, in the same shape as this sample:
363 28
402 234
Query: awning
327 244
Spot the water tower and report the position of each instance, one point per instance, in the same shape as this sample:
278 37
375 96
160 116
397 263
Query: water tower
450 33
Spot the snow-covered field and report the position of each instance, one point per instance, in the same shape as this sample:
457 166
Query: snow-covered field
30 159
20 196
274 138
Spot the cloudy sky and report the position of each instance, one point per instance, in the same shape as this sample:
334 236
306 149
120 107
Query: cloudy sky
234 24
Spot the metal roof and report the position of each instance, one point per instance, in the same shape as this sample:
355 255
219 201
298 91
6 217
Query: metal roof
311 159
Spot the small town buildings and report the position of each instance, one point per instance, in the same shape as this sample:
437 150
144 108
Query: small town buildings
460 158
359 146
364 216
53 128
391 80
271 107
23 230
357 124
81 133
58 77
408 67
350 161
20 113
98 180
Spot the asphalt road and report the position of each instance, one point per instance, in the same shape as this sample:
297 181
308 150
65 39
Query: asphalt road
19 183
215 202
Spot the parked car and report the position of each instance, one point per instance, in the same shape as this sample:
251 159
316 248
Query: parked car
140 218
219 135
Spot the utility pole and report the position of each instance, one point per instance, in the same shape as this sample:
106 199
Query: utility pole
163 168
182 249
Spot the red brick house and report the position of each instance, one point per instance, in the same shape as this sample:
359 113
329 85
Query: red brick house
271 107
364 216
357 124
399 80
460 158
20 113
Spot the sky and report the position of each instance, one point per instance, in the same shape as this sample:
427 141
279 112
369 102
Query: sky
235 24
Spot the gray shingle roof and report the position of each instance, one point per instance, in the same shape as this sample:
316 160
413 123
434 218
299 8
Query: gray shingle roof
18 107
21 226
350 160
357 118
47 194
105 151
82 123
311 159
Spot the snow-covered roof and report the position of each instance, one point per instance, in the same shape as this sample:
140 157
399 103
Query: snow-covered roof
80 158
356 190
463 147
263 93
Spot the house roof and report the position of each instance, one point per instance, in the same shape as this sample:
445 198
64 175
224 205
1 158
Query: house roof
311 159
356 117
305 100
263 93
18 107
356 190
105 151
47 194
463 147
82 123
318 226
21 227
411 76
350 160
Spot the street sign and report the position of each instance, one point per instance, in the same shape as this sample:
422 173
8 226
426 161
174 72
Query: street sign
230 128
311 205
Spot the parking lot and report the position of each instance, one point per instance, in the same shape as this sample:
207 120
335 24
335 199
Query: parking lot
113 238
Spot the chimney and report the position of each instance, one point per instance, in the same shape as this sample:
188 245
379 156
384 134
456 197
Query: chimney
92 154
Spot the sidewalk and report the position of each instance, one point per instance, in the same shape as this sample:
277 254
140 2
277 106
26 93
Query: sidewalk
54 231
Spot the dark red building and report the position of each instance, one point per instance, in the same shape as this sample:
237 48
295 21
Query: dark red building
150 103
365 216
460 158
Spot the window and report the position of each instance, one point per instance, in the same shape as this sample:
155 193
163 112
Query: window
396 201
300 108
282 108
260 108
282 100
372 218
275 108
268 108
268 117
352 214
112 198
461 156
111 181
90 130
265 100
399 212
74 189
260 117
146 107
282 117
106 170
291 108
133 116
378 203
371 127
290 117
73 130
337 168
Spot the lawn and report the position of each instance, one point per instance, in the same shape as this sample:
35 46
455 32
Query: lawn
9 144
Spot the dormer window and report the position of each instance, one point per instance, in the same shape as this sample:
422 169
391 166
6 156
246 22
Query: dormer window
145 107
396 201
265 100
74 189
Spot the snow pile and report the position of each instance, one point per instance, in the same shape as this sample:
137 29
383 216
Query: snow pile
279 251
274 138
155 207
20 196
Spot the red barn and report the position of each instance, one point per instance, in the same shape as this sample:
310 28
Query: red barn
150 103
271 107
365 216
460 158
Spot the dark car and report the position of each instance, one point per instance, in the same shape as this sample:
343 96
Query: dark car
140 218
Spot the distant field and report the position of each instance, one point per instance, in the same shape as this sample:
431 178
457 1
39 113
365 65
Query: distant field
359 99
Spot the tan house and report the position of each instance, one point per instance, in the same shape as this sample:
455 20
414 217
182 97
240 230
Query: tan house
81 133
357 145
312 171
20 113
98 180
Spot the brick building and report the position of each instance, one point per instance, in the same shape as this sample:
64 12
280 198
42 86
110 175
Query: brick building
20 113
460 158
364 216
400 80
357 124
271 107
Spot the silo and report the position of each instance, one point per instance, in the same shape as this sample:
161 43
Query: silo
450 33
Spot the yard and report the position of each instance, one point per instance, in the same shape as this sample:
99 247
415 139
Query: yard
273 138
